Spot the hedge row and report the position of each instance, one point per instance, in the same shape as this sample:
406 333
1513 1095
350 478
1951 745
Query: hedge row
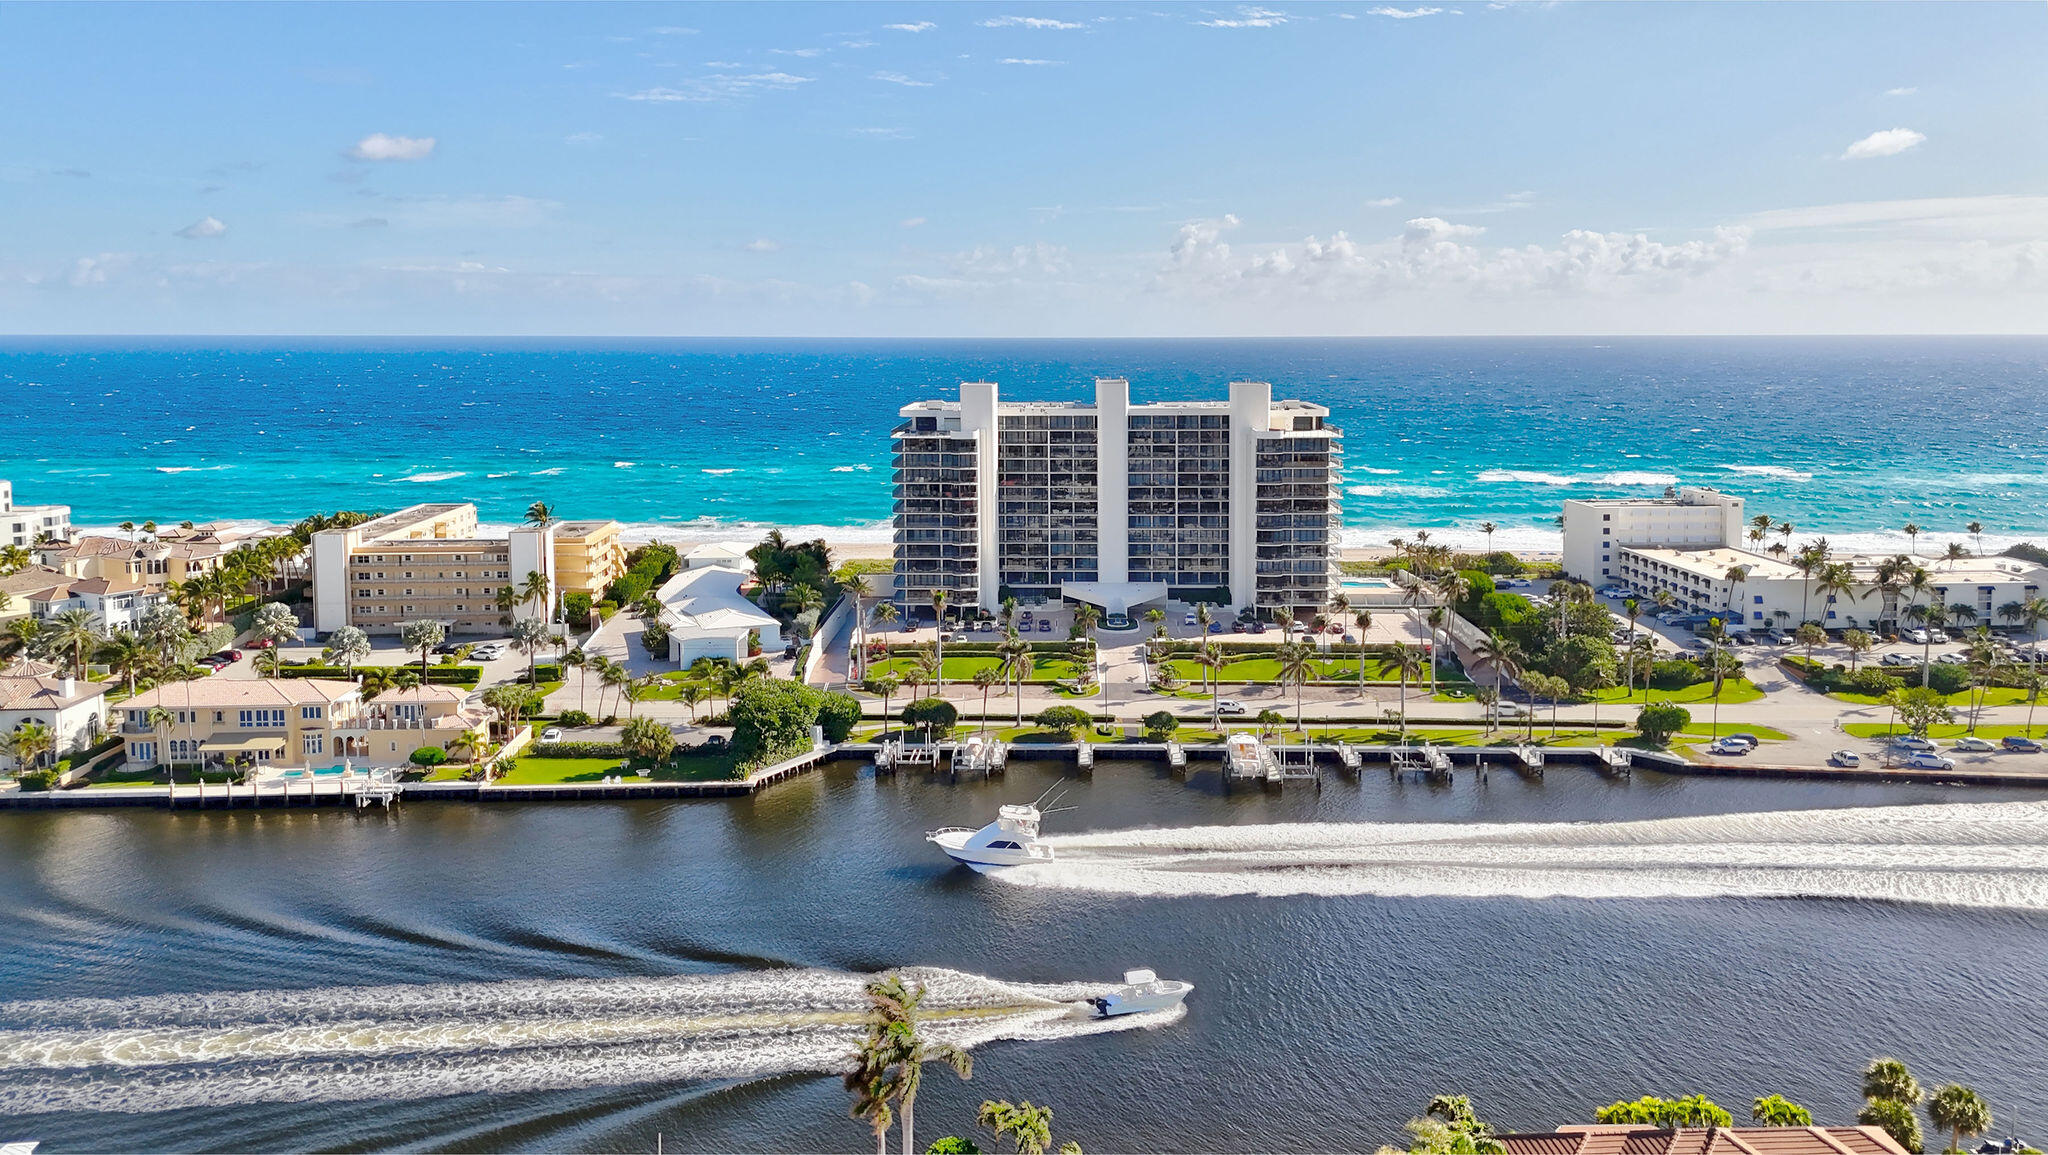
436 675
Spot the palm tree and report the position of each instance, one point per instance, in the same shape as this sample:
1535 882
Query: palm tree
883 613
1913 539
540 515
1490 651
28 743
1976 529
1959 1109
124 653
885 688
892 1020
578 659
1642 656
1929 616
1437 616
1284 618
536 590
615 677
1487 528
1210 657
1736 575
1837 580
1406 661
1634 610
346 646
1363 619
1085 619
939 639
128 527
1858 644
422 634
75 630
985 679
1296 665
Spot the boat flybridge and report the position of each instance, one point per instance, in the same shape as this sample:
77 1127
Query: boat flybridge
1142 991
1011 840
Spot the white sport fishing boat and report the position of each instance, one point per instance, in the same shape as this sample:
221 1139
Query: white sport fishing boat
1011 840
1142 991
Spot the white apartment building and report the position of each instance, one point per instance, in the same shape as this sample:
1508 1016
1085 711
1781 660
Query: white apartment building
1691 518
425 562
24 525
1233 502
1774 594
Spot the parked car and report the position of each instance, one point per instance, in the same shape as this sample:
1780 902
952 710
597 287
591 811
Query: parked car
1045 625
1230 707
551 734
2016 744
227 657
1188 619
1215 627
1116 622
1928 760
1350 639
1909 742
1896 659
1508 710
1952 659
1971 744
1256 628
1728 747
1238 627
1848 759
1916 636
450 647
1749 738
1785 640
259 643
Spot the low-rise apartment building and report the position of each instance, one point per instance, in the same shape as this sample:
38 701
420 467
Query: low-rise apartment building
291 722
589 555
1774 594
150 565
1693 518
426 562
25 525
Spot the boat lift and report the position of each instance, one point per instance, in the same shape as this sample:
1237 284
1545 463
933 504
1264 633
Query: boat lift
1176 757
1531 759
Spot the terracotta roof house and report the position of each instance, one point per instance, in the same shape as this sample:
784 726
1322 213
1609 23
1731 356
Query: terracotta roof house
1628 1139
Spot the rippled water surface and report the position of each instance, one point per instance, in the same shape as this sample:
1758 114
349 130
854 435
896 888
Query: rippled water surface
587 976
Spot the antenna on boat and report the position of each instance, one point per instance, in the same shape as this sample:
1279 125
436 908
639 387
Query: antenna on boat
1039 802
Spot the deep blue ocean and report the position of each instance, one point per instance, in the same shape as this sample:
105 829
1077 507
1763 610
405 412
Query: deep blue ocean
1851 437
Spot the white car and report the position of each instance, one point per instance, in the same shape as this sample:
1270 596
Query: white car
1909 742
551 734
1928 760
1728 747
1188 620
1896 659
1975 745
1845 758
1917 637
1508 710
1226 706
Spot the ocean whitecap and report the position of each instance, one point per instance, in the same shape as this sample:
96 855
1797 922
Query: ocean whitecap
1779 471
446 475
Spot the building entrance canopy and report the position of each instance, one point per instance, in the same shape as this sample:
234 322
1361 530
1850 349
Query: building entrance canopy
1114 597
250 745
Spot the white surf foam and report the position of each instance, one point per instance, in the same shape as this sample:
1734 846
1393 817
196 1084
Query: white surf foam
444 475
1537 477
1779 471
1993 855
167 1052
1396 491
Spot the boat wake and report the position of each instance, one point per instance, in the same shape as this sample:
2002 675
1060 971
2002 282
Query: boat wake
168 1052
1991 855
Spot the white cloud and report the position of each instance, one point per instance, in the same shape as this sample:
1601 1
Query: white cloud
673 30
1031 62
1403 13
806 53
583 138
987 270
203 229
1900 91
1428 230
877 132
379 146
720 87
762 245
920 26
899 78
1983 219
912 222
1248 17
1382 202
1028 22
1890 142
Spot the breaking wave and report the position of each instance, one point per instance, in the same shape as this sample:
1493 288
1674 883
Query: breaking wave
444 475
166 1052
1989 855
1617 477
1778 471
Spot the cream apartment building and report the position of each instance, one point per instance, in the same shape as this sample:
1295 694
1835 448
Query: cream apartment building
149 565
589 555
425 562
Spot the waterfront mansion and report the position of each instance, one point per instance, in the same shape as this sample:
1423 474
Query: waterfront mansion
291 722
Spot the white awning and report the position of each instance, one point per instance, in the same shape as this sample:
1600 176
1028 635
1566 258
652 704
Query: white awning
1115 597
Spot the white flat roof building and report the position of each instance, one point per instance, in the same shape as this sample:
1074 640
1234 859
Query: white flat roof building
1234 502
1689 518
708 617
426 562
24 525
1774 594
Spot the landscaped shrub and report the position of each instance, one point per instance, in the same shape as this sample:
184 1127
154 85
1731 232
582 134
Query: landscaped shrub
1945 678
428 756
576 607
1160 725
578 750
937 713
1870 680
770 718
838 714
574 718
1065 720
438 675
38 780
1675 674
1659 721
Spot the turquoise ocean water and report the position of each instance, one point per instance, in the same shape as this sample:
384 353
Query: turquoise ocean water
1853 438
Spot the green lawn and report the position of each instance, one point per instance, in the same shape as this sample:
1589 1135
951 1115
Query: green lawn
151 777
960 669
1734 692
531 771
1324 670
1881 730
1995 696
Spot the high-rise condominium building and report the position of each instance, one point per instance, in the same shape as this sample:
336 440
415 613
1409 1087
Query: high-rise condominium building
1233 502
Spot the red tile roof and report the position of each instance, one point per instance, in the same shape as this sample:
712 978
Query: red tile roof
1607 1139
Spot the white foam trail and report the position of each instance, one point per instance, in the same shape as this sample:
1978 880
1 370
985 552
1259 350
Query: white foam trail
445 475
1617 477
1991 855
1778 471
1397 491
177 1051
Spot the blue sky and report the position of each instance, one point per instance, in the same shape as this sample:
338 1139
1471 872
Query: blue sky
906 169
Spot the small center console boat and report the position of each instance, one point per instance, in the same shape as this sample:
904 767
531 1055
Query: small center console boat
1011 840
1142 991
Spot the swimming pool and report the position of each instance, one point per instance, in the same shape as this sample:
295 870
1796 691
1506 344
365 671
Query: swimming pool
1368 584
317 772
